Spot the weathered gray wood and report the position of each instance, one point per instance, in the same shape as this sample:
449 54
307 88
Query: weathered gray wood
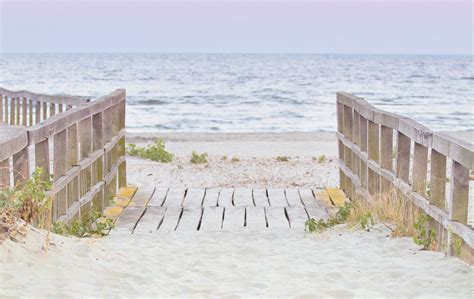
1 108
85 137
260 198
420 168
42 158
190 219
277 197
194 197
45 110
12 110
18 111
386 154
141 197
175 197
5 112
150 221
297 217
60 154
348 122
276 217
255 218
225 197
438 179
171 219
30 113
317 213
459 200
211 197
212 218
24 109
307 197
20 166
243 197
234 218
403 157
158 197
37 112
373 154
4 174
128 219
293 197
97 132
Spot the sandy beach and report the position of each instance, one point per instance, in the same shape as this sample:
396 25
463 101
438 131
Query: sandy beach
341 263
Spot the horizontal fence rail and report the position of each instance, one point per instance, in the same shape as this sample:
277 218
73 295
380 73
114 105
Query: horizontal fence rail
78 143
381 152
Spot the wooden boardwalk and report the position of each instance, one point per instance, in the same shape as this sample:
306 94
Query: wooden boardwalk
154 210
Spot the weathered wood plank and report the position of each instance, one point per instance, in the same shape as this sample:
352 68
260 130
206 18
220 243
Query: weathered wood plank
158 197
459 204
141 197
190 219
277 197
260 198
403 157
297 217
255 218
128 219
211 197
194 197
293 198
175 197
225 197
438 179
420 168
171 219
317 213
150 221
212 218
234 218
276 217
307 197
243 197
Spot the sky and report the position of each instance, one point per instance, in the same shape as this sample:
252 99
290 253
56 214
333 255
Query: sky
337 26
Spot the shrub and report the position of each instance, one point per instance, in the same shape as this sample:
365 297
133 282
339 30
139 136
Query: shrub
155 151
92 224
235 159
282 159
423 235
198 158
340 217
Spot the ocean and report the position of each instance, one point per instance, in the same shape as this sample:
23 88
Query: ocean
254 92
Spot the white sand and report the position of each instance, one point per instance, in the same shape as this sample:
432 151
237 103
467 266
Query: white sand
257 166
339 263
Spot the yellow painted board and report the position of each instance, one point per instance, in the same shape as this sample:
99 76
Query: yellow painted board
323 196
113 212
337 196
127 192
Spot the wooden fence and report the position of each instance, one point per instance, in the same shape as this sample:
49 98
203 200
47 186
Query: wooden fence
381 153
79 143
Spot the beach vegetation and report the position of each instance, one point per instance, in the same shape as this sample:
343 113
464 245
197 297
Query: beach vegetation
235 159
424 236
456 244
155 151
321 159
197 158
91 224
340 217
224 158
283 159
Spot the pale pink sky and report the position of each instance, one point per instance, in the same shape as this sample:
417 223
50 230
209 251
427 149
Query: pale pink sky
405 27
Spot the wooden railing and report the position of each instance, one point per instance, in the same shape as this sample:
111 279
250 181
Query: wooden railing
381 152
81 146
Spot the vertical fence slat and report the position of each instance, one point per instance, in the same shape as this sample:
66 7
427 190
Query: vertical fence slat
4 174
24 110
459 200
42 157
438 179
5 112
18 111
1 108
403 157
420 168
12 111
20 166
373 154
30 113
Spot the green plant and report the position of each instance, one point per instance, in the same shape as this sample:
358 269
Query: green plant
155 151
29 200
235 159
457 245
366 221
320 159
224 158
339 217
424 236
89 225
282 159
198 158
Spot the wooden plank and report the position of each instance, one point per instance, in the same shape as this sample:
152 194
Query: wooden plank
128 219
211 197
150 221
260 198
459 193
293 198
171 219
141 197
190 219
255 218
194 197
276 217
297 217
234 218
420 168
323 200
337 196
403 157
158 197
307 197
243 197
175 197
438 179
20 166
212 218
317 213
277 197
225 197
